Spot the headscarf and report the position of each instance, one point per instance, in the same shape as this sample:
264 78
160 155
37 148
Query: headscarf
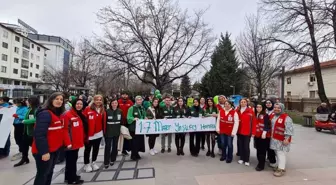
80 114
282 107
137 97
271 108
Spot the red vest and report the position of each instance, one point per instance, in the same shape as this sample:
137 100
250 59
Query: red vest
260 127
219 107
95 121
124 105
247 122
55 134
279 128
73 125
226 122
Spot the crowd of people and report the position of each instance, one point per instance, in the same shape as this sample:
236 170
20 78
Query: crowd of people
51 131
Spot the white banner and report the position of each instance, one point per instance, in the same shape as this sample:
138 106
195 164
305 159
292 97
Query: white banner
6 124
164 126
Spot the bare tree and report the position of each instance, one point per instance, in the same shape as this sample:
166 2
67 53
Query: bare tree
138 33
260 56
58 79
297 33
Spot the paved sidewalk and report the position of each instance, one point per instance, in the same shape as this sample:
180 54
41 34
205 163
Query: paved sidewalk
311 161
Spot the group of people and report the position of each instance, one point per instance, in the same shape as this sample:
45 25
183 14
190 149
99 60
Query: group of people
50 128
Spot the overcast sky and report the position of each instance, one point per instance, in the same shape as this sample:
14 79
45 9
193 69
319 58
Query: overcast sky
73 19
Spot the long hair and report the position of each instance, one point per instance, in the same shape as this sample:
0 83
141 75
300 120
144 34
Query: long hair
207 103
20 101
263 111
93 105
184 105
80 114
239 106
34 102
48 105
110 104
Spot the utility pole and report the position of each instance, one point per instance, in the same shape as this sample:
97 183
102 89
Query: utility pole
283 85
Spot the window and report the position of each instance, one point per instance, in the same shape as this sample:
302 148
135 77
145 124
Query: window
37 66
25 64
311 94
26 43
31 64
21 93
16 50
312 78
32 46
16 82
31 74
36 75
5 45
289 80
24 73
24 83
3 69
6 81
16 60
17 38
5 34
289 93
15 71
37 58
31 55
25 54
38 48
4 57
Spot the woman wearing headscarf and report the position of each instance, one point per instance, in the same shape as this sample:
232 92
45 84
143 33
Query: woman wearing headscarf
210 111
180 111
135 113
282 132
153 113
269 104
196 112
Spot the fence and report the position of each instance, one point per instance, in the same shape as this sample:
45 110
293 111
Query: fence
304 104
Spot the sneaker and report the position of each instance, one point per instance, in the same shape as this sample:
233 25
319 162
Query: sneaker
163 150
240 161
169 150
87 168
77 182
16 157
95 167
247 164
279 173
151 152
155 151
219 151
258 169
124 153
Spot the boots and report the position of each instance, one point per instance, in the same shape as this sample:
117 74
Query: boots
23 161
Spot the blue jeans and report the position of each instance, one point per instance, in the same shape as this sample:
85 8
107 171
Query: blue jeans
227 147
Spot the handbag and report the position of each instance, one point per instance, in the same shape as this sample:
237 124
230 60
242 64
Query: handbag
125 132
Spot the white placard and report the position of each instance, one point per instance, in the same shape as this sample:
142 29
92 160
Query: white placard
183 125
6 124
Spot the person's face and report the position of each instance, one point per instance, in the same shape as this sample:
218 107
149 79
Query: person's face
210 103
180 102
79 105
58 101
114 104
277 109
124 96
1 101
259 108
138 101
167 101
196 103
268 104
202 101
155 103
221 100
277 101
243 103
98 101
150 98
324 105
227 105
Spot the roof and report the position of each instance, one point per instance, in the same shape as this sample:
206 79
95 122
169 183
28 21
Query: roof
324 65
12 30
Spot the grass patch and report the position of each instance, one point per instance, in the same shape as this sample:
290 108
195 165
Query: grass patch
297 117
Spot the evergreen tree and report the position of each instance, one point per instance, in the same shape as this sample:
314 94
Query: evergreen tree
185 86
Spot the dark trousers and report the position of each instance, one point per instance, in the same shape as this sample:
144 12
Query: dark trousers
94 145
111 149
45 169
134 146
261 146
271 155
244 147
61 155
194 147
180 140
202 139
71 157
26 143
210 137
18 134
238 148
227 147
151 140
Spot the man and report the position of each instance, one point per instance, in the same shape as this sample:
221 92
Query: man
322 109
167 113
124 104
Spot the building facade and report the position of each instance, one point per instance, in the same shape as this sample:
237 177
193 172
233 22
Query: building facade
21 63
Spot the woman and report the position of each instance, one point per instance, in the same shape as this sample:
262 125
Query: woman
153 113
270 153
180 111
96 116
112 133
49 136
135 113
211 111
19 116
74 121
282 132
246 130
196 112
262 137
203 107
29 123
227 126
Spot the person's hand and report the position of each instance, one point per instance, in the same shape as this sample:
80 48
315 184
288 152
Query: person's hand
146 118
233 135
214 115
46 157
69 146
15 116
189 117
285 142
136 119
263 136
252 135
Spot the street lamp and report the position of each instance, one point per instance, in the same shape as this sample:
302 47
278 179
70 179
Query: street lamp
234 89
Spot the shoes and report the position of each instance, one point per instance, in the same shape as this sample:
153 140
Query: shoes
178 152
77 182
22 162
208 153
279 173
222 159
95 167
111 163
106 166
228 161
274 165
88 168
133 158
212 155
258 169
124 153
240 161
155 151
247 164
151 152
16 156
181 152
163 150
169 150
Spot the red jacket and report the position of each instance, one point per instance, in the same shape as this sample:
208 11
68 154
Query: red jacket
73 125
124 105
260 127
279 128
226 122
95 120
247 122
55 135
